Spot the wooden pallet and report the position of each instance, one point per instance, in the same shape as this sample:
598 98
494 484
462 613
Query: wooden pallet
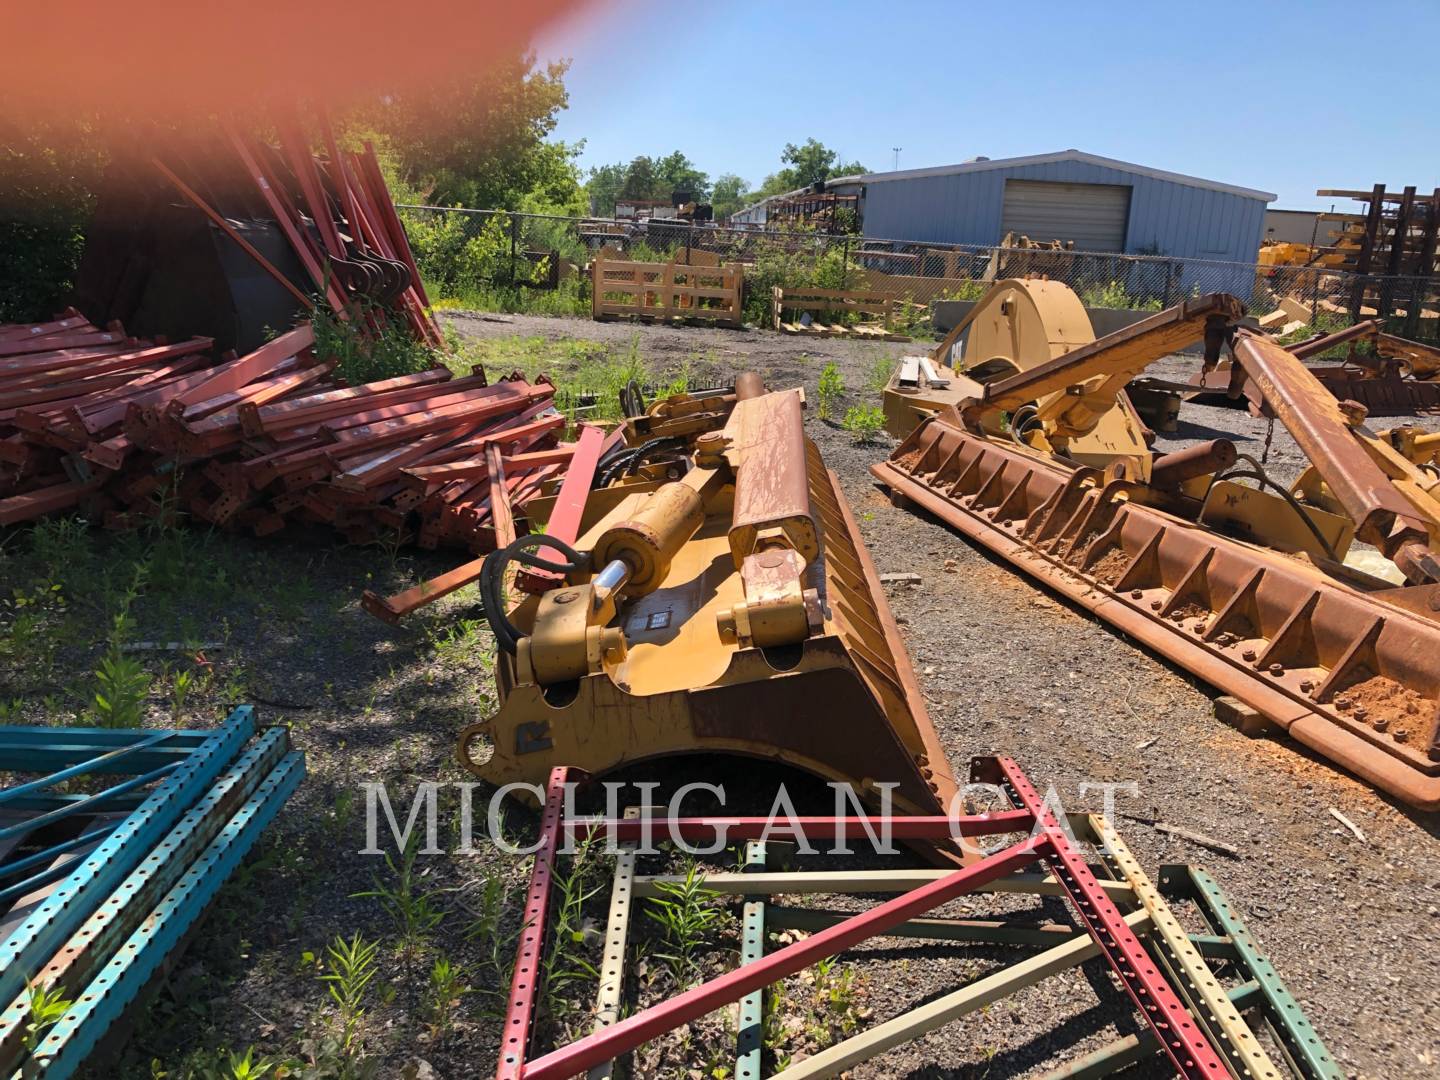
832 302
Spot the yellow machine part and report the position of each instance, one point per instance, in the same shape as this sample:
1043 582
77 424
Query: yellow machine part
1248 513
1017 325
842 703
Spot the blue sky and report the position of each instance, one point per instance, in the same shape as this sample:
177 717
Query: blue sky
1284 97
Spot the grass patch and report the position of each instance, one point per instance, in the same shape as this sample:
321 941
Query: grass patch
86 616
588 375
570 297
830 390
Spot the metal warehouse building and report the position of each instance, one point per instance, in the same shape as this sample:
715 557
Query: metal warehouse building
1099 203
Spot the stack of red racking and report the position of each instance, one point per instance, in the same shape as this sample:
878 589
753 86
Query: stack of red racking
132 430
65 386
340 221
127 429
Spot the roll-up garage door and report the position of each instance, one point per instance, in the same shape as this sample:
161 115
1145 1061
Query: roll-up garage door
1093 215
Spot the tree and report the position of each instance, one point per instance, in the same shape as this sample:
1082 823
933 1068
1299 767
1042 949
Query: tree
603 187
645 178
807 164
481 140
50 168
728 194
641 181
676 172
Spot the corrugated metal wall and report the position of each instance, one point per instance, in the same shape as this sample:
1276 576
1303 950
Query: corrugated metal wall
750 215
1165 217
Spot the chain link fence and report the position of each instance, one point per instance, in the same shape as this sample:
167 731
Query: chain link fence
533 262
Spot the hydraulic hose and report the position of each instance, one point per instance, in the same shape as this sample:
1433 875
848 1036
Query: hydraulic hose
632 401
628 462
492 579
1020 421
1257 473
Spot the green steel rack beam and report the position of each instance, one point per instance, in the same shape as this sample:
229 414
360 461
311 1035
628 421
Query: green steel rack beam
751 1037
1287 1019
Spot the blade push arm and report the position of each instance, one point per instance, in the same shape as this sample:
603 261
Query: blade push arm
1104 366
1369 484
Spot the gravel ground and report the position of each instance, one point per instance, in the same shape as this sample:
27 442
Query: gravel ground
1007 668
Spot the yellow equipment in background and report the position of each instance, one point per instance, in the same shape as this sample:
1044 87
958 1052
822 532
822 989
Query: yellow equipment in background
1017 431
1034 334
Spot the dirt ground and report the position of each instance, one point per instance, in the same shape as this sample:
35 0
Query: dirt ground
1005 668
1008 669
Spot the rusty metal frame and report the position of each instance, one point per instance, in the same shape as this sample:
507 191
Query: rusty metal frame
1224 940
1208 1000
1186 1045
1182 1038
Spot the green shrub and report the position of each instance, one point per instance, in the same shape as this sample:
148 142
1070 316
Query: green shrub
864 423
1114 295
40 252
686 915
878 377
911 318
966 290
457 253
570 297
791 264
1324 322
465 263
48 171
121 682
831 389
363 357
121 686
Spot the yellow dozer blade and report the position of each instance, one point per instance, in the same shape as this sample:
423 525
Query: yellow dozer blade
720 602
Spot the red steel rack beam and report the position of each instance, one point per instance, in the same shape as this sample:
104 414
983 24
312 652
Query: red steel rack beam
1185 1042
524 982
564 523
918 827
641 1027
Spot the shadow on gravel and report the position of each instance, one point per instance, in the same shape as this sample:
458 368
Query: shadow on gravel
1185 429
1052 1046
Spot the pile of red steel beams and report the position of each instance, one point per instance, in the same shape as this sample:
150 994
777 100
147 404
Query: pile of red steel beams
339 218
128 430
65 387
132 430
